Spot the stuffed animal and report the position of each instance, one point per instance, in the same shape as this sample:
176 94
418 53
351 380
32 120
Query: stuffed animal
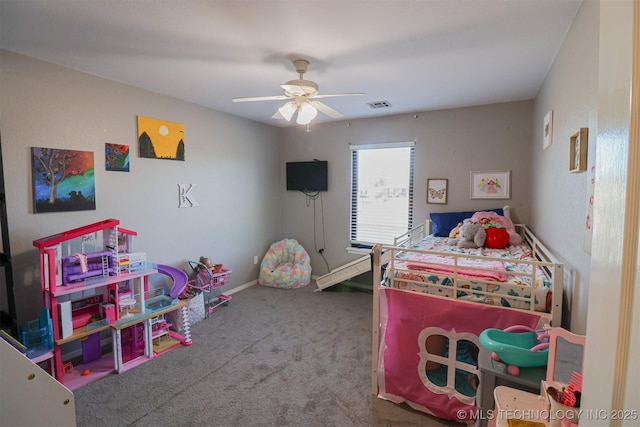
492 219
472 235
215 268
455 233
497 238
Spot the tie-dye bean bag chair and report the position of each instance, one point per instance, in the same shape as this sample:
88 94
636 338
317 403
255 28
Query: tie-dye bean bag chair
285 265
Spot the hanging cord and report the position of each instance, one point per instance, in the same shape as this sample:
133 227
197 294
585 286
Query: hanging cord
311 195
320 250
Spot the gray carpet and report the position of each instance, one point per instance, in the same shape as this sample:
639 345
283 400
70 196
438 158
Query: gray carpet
272 357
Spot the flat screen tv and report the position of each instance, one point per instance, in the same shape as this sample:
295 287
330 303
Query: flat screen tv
307 176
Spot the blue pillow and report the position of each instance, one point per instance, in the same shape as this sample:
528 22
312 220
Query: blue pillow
442 223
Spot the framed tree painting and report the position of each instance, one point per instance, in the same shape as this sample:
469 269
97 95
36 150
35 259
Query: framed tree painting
437 190
63 180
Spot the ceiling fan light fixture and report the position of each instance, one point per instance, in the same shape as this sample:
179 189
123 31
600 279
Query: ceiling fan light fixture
306 113
287 110
303 94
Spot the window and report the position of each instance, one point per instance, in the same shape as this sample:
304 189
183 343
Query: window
381 192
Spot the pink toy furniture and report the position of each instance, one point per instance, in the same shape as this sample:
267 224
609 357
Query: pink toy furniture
566 352
207 282
83 310
88 293
75 269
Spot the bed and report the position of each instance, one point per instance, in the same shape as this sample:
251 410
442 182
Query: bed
432 300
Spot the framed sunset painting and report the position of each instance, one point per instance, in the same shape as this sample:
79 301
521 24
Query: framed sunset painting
160 139
63 180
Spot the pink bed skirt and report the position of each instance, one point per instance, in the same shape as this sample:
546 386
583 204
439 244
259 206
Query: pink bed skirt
407 318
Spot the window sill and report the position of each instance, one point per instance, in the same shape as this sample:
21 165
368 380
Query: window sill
358 251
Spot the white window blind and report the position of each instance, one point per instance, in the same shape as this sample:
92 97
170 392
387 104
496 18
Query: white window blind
381 192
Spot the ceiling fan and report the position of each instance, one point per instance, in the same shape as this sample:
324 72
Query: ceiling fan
303 94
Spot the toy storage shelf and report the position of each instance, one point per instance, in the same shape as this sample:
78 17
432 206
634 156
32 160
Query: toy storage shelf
30 397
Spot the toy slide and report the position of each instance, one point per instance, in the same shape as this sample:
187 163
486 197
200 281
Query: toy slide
348 271
178 276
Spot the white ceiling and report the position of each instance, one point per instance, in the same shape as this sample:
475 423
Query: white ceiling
418 55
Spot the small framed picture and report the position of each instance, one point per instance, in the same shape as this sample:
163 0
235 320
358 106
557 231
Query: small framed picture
578 143
547 130
116 157
491 185
437 190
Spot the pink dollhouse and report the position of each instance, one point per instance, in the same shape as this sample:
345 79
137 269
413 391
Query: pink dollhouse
96 289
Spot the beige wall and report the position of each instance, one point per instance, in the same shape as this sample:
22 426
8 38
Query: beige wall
232 162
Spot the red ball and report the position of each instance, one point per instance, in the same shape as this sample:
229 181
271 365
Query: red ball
497 238
513 370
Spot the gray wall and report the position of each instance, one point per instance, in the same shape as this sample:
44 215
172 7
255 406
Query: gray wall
233 163
559 198
238 167
449 144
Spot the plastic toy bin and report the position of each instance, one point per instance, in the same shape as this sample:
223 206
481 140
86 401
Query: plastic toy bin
37 335
514 348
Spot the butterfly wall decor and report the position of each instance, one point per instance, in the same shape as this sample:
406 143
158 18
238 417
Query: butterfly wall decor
437 190
437 194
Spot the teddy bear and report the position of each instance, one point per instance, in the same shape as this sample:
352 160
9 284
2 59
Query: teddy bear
470 235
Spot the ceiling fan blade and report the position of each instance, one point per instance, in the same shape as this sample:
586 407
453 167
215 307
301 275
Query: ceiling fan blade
261 98
338 94
334 114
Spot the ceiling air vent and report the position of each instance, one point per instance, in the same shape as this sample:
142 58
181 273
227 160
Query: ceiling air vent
379 104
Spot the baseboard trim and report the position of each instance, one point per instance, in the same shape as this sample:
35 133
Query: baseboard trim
241 287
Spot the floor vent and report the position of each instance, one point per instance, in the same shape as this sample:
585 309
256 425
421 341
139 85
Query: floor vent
380 104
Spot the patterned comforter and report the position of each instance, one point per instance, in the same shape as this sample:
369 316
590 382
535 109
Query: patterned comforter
501 278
